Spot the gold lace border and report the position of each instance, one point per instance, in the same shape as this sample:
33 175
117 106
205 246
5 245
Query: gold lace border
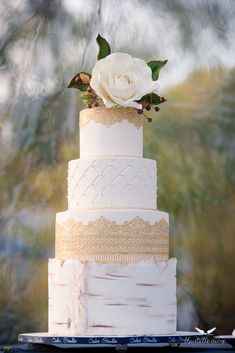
105 240
110 116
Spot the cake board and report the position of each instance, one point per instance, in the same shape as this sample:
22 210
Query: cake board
123 342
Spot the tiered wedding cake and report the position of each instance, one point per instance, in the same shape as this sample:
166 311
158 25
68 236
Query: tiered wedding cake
111 274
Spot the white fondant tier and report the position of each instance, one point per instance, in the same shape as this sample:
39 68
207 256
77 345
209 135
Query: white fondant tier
86 298
120 182
109 236
111 132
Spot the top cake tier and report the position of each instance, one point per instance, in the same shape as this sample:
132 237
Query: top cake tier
111 132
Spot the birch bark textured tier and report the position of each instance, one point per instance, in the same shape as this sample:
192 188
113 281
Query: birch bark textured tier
112 274
112 299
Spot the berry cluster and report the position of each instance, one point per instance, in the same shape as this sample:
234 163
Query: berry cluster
147 105
90 98
93 97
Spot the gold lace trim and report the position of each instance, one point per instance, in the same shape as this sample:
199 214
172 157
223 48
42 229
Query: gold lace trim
105 241
110 116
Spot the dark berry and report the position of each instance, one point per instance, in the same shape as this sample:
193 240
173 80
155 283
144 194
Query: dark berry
140 111
162 99
96 104
89 89
150 120
89 106
148 107
157 109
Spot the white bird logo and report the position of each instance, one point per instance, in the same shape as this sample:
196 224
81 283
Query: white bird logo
208 331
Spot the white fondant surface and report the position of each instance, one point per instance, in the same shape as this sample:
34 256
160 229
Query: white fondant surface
120 139
119 216
112 182
86 298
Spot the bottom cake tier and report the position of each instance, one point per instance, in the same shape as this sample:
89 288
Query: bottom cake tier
88 298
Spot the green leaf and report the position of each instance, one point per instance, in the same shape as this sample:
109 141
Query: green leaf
152 98
104 47
156 99
144 98
87 98
156 66
81 81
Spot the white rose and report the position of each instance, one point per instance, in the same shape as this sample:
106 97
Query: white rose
121 80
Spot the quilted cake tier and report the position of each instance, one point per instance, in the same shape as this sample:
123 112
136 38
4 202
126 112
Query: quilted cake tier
120 182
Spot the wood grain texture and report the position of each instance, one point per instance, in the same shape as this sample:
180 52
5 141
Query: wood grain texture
110 299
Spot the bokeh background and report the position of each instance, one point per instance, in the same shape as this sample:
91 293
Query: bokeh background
43 44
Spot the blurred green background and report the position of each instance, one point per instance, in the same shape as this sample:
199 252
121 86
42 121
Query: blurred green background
43 44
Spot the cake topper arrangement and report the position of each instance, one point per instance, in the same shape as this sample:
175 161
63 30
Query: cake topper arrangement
120 80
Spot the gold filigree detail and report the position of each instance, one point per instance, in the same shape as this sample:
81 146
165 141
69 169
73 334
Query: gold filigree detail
105 241
110 116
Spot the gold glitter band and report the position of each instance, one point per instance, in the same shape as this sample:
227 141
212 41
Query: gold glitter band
110 116
105 241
